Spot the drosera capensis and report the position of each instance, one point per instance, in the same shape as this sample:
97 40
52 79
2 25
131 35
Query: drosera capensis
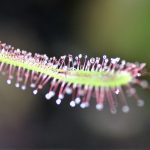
106 79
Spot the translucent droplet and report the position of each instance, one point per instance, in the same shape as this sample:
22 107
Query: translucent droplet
117 91
58 101
49 95
140 103
61 96
17 85
32 85
23 87
9 81
72 104
99 106
68 90
113 111
125 109
35 92
77 100
84 105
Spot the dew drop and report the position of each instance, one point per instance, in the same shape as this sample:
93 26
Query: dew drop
9 81
23 87
84 105
40 86
117 91
140 103
113 111
72 104
32 85
35 92
58 101
125 109
99 106
80 55
144 84
68 90
77 100
92 60
49 95
104 56
17 85
61 96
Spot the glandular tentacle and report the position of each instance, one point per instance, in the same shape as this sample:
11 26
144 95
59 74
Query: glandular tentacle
103 78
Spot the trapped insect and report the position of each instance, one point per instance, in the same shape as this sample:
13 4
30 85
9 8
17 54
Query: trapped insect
102 78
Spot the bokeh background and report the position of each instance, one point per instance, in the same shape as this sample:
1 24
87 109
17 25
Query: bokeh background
56 27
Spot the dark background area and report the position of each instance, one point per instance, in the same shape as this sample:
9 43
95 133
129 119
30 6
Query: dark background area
58 27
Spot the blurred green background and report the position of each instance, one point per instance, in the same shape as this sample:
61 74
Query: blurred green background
118 28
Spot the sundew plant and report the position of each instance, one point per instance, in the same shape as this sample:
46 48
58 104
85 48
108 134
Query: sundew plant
108 80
